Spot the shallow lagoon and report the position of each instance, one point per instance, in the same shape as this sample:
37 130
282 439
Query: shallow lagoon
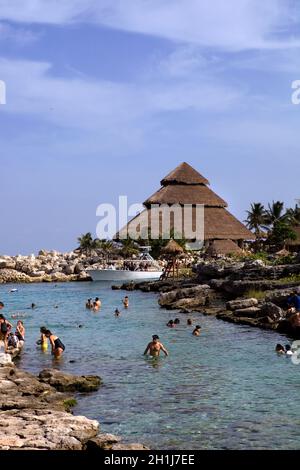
224 390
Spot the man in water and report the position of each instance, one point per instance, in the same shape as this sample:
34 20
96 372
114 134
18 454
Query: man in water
97 303
155 347
126 301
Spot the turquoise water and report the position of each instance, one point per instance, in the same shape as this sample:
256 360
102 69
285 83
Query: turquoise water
224 390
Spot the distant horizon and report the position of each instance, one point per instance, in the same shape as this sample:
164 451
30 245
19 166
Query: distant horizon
106 99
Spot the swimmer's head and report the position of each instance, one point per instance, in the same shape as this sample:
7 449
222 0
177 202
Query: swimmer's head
189 322
155 338
198 327
287 347
48 333
43 329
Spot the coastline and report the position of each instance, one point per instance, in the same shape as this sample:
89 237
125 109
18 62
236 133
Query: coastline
35 413
242 293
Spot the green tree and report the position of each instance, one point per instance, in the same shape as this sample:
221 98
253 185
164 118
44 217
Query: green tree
281 232
257 218
86 243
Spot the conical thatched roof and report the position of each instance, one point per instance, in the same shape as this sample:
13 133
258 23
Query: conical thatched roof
172 248
184 185
223 247
185 194
184 174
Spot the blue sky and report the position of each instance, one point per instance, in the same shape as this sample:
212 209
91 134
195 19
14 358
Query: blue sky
106 97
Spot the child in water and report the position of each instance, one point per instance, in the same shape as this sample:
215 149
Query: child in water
43 340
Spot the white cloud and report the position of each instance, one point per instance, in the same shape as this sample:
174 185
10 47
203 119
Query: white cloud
95 104
228 25
21 36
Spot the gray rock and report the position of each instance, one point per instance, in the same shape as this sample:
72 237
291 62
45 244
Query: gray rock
69 383
241 304
251 312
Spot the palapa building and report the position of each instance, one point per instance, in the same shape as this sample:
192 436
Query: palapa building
185 186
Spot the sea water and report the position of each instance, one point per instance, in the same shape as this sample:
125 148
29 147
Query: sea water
226 389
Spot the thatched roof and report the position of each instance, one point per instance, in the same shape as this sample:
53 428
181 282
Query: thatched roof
172 248
222 225
297 241
223 247
219 224
185 194
184 185
184 174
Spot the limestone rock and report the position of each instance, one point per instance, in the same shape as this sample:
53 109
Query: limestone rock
250 312
241 304
69 383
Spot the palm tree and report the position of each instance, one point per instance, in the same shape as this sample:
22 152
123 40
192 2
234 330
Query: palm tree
86 242
275 213
257 218
129 248
294 215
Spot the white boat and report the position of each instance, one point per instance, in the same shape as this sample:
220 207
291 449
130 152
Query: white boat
113 273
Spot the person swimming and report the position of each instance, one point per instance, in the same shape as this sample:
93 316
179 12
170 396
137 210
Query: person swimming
280 349
177 321
189 322
57 346
154 347
171 324
288 350
97 304
197 331
126 302
117 312
89 304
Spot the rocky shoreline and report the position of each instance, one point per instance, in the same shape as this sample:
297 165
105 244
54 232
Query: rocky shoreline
35 413
47 266
248 293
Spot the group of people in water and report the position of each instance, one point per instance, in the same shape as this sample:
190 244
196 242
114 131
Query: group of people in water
287 350
173 323
93 305
9 337
16 339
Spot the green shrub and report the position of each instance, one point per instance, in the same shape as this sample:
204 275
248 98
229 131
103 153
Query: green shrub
255 294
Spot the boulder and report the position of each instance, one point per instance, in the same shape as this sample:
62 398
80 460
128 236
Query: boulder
5 359
241 304
102 442
272 311
78 268
69 269
199 295
250 312
13 276
7 264
64 382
